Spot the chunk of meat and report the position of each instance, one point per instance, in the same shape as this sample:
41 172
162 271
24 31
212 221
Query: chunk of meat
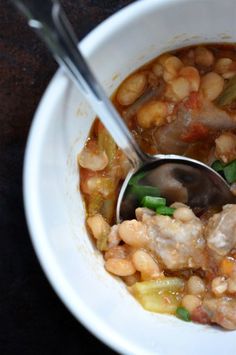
213 117
221 311
178 244
169 138
200 315
221 231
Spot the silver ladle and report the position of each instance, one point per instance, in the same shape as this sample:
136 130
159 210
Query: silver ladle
177 178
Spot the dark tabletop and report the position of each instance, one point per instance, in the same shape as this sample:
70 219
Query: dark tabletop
32 318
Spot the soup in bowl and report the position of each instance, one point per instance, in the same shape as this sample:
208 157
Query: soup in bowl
55 209
174 260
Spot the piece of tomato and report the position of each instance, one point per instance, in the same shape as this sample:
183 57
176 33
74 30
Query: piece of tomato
197 132
192 102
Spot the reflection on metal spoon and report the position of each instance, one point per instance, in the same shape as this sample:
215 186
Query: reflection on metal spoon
177 180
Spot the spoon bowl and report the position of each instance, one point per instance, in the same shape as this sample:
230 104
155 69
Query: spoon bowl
178 179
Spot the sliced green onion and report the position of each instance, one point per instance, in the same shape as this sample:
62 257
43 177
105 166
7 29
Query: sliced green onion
183 314
141 191
230 172
153 202
217 166
165 211
135 178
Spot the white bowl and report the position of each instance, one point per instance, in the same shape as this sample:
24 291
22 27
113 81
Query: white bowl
54 208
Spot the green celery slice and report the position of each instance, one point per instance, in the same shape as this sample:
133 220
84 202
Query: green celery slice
172 284
228 94
161 296
165 302
106 143
95 203
107 209
102 242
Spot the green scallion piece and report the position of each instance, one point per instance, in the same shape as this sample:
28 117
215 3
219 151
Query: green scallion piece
153 202
183 314
230 172
217 166
140 191
165 211
135 178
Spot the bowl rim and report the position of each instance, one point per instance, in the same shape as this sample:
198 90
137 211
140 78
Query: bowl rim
95 324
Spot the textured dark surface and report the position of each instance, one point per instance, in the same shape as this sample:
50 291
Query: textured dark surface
32 319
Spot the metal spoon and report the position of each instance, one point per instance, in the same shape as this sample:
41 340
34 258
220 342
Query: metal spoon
178 178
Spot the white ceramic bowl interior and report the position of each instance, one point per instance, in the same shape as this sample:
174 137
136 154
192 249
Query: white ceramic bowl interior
54 208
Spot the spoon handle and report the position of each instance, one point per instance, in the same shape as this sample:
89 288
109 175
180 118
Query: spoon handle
50 22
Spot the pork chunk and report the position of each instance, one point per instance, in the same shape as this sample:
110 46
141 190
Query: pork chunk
221 311
178 244
221 231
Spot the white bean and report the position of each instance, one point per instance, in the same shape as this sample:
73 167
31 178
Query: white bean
172 65
223 65
152 114
118 252
98 226
181 87
157 69
191 302
226 147
195 285
184 214
144 263
94 161
219 285
204 56
163 58
133 233
211 85
120 267
232 284
170 95
192 75
131 89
